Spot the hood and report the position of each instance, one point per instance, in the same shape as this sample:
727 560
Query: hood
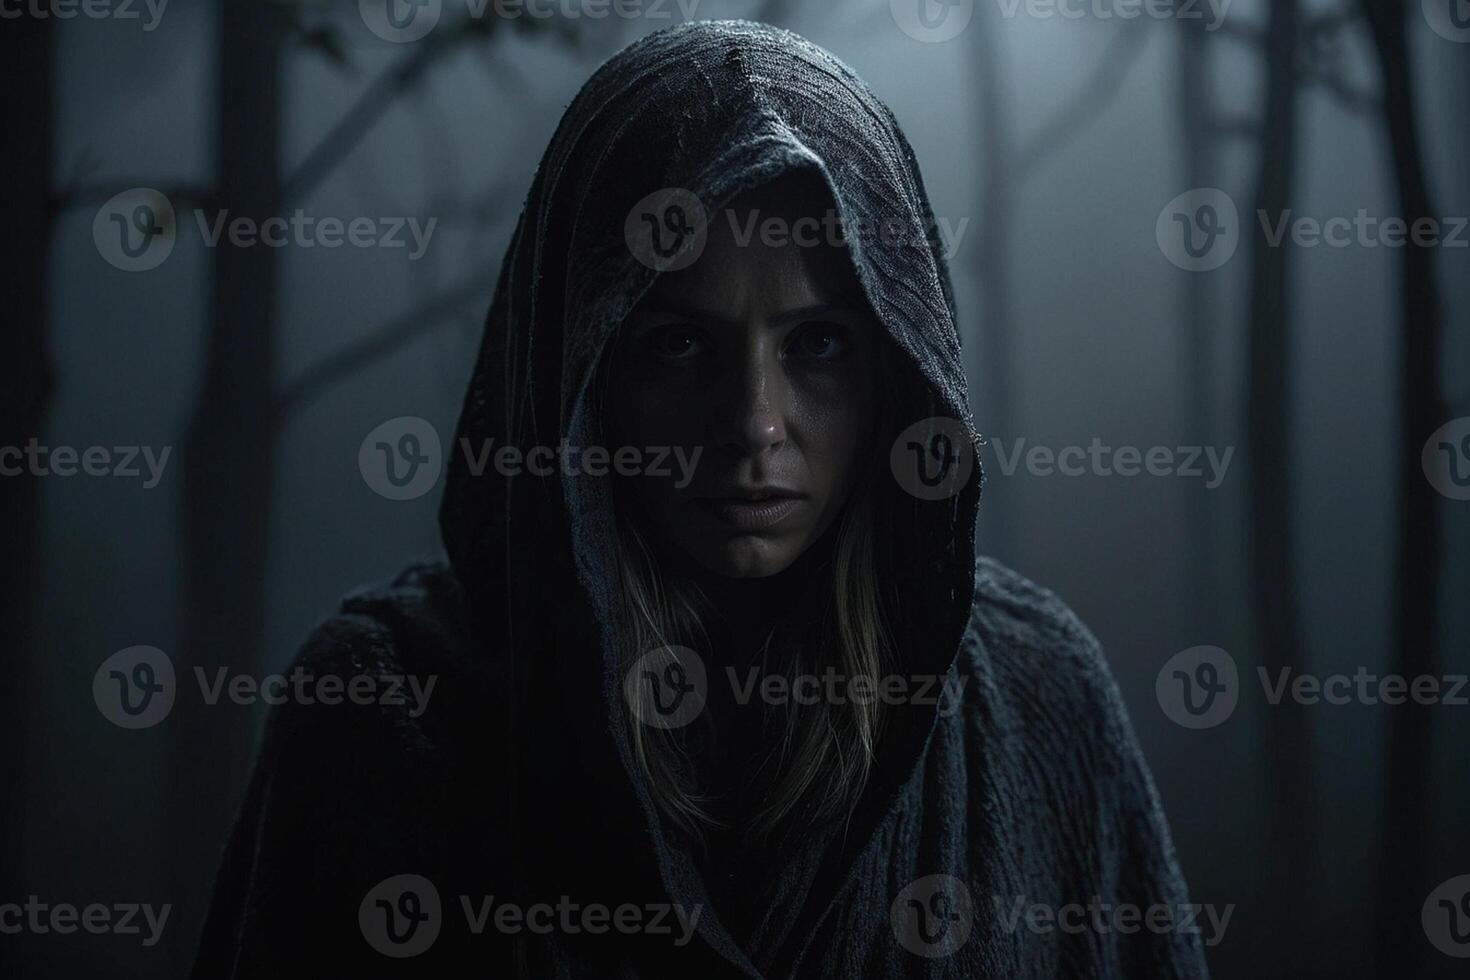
711 109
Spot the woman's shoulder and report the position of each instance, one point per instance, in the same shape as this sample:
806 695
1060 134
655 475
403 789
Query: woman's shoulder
417 618
397 657
378 762
1012 613
1028 654
387 695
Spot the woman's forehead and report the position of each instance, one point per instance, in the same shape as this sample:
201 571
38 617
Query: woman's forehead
782 239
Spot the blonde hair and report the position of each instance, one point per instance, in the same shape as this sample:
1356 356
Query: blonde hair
823 754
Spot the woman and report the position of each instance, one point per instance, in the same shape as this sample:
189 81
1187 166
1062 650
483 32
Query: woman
758 714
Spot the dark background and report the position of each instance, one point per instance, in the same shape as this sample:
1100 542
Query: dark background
1058 139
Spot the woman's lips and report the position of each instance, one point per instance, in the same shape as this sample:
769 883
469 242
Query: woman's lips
751 515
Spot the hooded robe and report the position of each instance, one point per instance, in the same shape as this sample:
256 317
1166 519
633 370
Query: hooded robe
478 835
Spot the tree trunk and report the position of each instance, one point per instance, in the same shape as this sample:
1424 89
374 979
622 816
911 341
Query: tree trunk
228 462
1196 110
25 194
1289 761
1405 872
993 361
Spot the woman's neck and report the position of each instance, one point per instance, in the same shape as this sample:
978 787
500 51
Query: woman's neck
745 611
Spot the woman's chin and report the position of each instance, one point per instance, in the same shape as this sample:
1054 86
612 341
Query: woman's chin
746 556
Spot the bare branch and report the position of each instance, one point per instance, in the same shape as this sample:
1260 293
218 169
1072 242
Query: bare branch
1330 21
1340 89
95 195
365 112
381 92
1094 95
387 339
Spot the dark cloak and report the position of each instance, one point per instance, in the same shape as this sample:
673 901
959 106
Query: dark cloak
516 782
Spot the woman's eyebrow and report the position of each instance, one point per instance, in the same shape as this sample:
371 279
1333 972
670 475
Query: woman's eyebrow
694 313
815 310
681 310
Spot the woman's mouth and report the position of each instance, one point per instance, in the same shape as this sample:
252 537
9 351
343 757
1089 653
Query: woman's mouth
753 511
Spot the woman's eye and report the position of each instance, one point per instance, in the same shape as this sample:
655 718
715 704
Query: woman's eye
820 341
674 343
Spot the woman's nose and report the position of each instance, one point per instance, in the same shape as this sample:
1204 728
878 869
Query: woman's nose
754 417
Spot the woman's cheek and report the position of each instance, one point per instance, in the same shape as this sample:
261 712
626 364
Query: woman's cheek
659 413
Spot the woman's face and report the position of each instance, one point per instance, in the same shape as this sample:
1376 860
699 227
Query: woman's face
761 357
